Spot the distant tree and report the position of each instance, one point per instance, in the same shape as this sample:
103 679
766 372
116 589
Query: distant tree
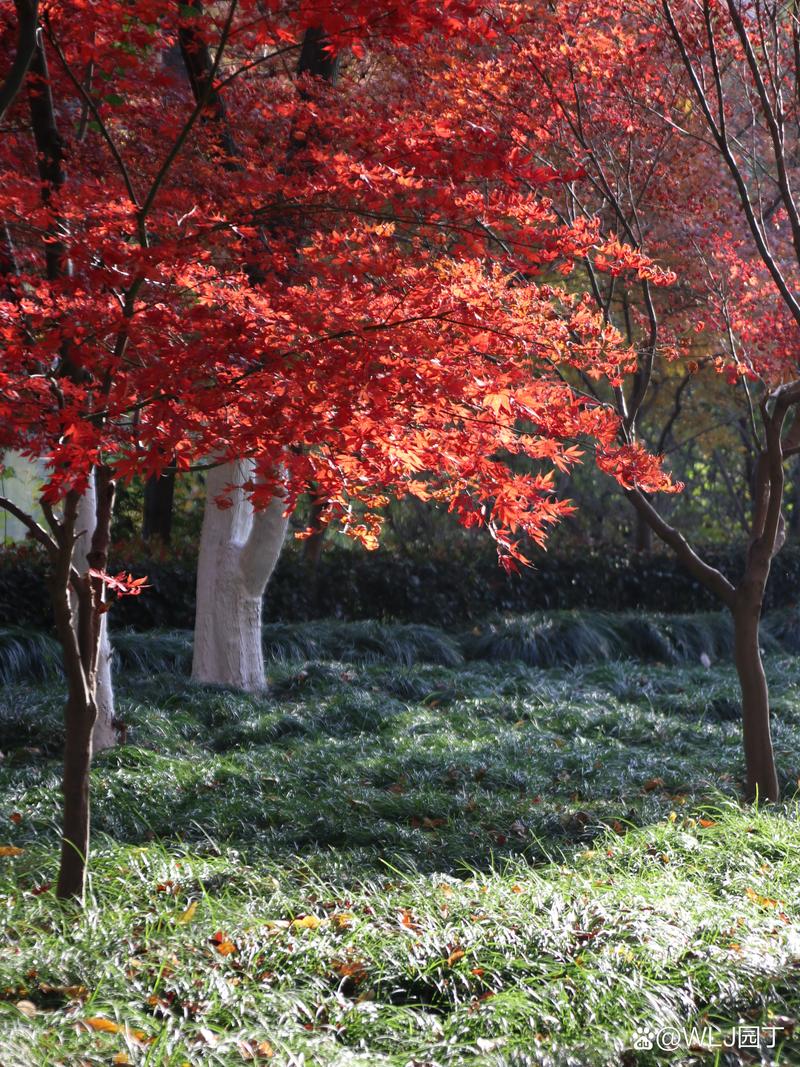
685 121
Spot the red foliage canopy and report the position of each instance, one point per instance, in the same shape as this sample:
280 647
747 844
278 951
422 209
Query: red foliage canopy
356 284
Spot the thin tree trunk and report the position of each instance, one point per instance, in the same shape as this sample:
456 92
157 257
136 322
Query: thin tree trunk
27 21
72 626
159 495
104 734
762 777
80 713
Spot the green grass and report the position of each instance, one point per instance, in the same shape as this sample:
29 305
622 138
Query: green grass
417 857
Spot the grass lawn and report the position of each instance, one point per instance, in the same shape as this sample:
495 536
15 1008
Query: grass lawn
404 855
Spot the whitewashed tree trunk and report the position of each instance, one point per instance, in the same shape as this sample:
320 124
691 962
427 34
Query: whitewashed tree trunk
239 548
104 735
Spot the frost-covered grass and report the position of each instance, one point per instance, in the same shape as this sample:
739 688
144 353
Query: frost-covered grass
403 855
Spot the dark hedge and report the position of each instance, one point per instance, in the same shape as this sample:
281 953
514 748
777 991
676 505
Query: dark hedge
350 584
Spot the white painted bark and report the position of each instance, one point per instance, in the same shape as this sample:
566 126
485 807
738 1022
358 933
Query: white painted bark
239 548
104 734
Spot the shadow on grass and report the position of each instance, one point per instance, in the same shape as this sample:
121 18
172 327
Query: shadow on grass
352 766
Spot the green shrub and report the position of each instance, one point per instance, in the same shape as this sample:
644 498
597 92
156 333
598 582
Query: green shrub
447 590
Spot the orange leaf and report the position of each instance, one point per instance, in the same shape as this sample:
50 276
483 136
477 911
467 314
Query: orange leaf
408 921
107 1026
355 969
10 850
455 956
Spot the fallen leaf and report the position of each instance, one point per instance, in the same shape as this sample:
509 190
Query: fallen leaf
408 921
69 992
16 818
455 956
223 944
354 969
307 922
705 823
10 850
121 1057
765 902
260 1051
108 1026
27 1007
653 783
432 824
188 915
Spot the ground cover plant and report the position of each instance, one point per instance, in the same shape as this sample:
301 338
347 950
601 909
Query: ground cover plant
417 848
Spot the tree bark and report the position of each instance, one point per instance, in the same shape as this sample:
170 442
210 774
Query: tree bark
159 495
79 715
762 778
239 548
27 22
74 629
745 602
643 535
104 733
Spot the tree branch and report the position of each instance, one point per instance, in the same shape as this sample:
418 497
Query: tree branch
27 15
709 576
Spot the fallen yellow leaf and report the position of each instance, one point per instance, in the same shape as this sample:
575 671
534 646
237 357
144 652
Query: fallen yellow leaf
308 922
188 915
765 902
10 850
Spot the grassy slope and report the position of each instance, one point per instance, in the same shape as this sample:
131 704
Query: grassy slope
430 862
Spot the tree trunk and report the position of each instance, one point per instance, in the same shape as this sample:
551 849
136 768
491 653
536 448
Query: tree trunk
643 535
79 716
238 552
762 778
104 734
159 494
793 519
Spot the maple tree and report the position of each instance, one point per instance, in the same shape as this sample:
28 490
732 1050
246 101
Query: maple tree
178 288
684 119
